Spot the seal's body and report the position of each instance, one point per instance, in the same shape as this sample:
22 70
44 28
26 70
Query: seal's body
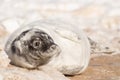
50 43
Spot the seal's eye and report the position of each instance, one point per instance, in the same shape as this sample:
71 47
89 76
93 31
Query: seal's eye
36 43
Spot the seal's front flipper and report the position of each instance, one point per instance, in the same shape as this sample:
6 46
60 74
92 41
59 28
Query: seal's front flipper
68 34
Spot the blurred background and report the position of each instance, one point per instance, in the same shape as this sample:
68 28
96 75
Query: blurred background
100 19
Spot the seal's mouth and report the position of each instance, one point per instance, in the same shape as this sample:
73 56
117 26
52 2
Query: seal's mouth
53 49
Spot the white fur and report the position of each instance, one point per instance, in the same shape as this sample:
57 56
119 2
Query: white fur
74 44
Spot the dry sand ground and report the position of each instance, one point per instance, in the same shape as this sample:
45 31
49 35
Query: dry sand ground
101 68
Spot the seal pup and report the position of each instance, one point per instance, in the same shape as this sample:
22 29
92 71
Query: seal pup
57 44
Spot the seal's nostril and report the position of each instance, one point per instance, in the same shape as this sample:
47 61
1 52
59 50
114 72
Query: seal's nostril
53 46
37 43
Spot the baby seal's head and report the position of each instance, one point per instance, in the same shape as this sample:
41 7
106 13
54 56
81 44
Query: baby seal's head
35 46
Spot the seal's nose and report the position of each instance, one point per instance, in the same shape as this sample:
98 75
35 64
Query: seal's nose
53 47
